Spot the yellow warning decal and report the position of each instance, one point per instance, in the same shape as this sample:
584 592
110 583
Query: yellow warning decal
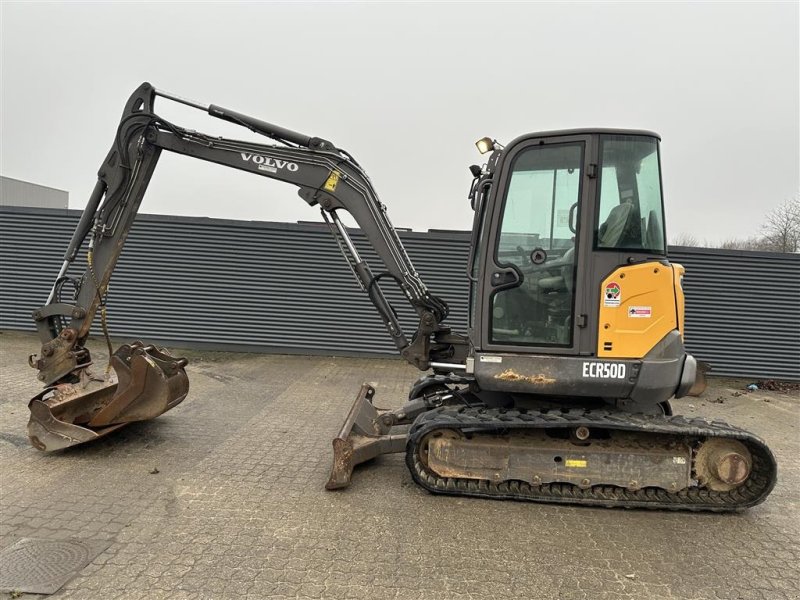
575 462
332 182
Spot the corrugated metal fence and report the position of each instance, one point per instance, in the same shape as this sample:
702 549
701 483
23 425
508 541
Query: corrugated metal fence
238 285
281 287
743 310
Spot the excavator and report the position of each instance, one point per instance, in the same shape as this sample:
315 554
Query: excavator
558 392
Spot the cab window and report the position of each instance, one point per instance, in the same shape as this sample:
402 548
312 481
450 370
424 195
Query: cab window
631 212
537 235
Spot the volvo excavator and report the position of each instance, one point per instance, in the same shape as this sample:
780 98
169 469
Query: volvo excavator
558 392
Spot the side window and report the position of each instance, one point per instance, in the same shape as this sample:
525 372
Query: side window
648 182
544 187
630 214
539 221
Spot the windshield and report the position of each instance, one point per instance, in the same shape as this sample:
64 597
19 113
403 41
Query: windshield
631 214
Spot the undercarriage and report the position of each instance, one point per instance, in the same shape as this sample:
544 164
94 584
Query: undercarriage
586 456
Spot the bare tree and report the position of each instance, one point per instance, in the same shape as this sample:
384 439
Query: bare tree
684 239
782 227
751 243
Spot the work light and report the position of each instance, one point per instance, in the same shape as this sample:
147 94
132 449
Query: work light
485 144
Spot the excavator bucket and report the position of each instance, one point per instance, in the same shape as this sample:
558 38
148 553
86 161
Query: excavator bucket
148 383
362 437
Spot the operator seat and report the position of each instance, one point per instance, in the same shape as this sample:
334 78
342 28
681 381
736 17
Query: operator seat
564 280
621 229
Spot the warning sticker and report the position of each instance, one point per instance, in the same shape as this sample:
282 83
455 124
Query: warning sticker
640 312
332 182
575 463
612 295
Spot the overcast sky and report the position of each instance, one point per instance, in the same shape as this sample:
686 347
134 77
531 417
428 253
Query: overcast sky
407 89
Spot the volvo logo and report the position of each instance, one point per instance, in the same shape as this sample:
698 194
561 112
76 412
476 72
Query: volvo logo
269 164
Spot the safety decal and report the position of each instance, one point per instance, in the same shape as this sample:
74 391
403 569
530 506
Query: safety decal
612 295
575 463
640 312
332 182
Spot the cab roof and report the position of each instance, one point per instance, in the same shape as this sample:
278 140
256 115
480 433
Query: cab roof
589 131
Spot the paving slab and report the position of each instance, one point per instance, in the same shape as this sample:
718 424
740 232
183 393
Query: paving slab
223 497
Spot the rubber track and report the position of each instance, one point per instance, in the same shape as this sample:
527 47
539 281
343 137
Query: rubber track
752 492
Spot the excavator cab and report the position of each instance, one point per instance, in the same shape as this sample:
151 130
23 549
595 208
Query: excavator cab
571 266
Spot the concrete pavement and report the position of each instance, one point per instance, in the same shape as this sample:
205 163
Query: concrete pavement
237 508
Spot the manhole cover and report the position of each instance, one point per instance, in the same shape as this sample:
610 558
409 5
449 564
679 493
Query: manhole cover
43 566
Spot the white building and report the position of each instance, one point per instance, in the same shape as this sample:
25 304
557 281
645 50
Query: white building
14 192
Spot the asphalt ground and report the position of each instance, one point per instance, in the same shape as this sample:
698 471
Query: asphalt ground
237 507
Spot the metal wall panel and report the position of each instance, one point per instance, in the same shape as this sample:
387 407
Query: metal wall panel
743 310
281 287
229 284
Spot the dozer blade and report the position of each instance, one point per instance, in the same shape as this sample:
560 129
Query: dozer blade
148 383
700 380
362 438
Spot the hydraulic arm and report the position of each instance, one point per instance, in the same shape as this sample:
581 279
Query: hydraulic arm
78 405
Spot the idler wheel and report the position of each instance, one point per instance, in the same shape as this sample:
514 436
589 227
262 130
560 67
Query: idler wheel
722 465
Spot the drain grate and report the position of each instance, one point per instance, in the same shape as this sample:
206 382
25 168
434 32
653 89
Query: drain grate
43 566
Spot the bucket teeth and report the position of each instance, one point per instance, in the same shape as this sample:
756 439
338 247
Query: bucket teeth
149 382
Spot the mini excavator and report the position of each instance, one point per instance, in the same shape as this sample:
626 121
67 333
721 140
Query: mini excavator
559 391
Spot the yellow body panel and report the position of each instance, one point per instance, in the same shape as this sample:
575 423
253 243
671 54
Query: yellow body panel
638 307
679 270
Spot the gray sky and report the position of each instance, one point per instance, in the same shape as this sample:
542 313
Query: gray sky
407 89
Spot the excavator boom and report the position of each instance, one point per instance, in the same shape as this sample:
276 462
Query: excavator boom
79 404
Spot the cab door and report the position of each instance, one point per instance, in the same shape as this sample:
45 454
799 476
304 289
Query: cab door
531 292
